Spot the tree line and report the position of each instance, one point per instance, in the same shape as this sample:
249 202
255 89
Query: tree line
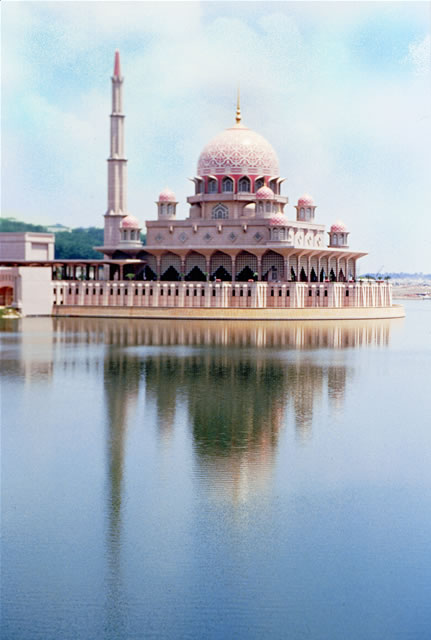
77 243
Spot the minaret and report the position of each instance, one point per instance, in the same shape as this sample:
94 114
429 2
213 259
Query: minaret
117 163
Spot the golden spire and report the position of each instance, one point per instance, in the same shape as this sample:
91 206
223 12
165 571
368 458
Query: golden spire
238 108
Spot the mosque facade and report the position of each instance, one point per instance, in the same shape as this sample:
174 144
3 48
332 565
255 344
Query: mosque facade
240 253
237 229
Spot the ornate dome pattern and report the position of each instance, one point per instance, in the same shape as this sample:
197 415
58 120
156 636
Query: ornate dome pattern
167 196
129 222
278 220
339 227
238 150
265 193
306 201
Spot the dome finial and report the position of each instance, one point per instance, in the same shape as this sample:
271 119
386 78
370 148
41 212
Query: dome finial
238 107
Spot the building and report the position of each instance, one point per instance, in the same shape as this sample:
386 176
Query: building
238 254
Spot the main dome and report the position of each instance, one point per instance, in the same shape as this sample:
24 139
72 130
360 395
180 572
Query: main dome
238 150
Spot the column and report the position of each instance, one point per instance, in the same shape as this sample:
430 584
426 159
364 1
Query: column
287 269
259 268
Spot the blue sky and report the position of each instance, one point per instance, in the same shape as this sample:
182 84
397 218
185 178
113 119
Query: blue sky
340 89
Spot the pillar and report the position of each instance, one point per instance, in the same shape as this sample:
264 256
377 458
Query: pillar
259 268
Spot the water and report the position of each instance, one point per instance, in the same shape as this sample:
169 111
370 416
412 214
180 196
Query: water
216 480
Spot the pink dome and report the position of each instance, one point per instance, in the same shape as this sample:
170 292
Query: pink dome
167 196
265 193
238 150
129 222
306 201
277 220
339 227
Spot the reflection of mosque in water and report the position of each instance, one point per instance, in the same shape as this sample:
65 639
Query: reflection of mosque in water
240 382
238 395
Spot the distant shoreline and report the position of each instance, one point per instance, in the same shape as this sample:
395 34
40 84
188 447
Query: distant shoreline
417 291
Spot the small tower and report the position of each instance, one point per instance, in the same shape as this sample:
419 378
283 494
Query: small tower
305 209
266 205
338 235
130 232
167 205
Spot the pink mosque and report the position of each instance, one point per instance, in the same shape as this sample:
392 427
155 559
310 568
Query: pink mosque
238 254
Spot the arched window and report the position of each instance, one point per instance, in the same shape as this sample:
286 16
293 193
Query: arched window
334 239
219 212
301 213
227 185
244 185
259 183
269 206
212 186
170 208
308 213
273 185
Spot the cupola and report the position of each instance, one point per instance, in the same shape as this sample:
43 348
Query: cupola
266 204
130 231
305 209
338 235
166 205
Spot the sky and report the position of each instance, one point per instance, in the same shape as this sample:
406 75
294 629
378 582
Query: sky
340 89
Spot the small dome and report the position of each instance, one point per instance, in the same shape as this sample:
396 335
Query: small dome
167 196
306 201
339 227
129 222
265 193
278 220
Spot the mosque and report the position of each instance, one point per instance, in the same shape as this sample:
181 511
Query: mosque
238 254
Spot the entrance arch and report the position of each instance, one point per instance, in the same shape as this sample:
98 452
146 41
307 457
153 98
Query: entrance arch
272 266
221 266
195 267
245 266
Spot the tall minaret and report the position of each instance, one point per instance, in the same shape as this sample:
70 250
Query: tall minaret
117 163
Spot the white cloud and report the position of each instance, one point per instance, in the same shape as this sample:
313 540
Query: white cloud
420 56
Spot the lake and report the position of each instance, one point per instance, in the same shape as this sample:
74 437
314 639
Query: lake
211 479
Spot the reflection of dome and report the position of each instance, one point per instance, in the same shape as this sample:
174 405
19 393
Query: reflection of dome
265 193
167 196
277 220
306 201
238 150
129 222
339 227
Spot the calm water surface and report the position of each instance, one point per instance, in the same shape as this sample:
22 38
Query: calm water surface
216 480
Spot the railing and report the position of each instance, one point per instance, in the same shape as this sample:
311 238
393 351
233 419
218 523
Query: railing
221 294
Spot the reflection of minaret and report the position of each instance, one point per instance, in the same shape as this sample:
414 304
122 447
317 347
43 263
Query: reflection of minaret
337 385
304 386
162 378
121 382
117 163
